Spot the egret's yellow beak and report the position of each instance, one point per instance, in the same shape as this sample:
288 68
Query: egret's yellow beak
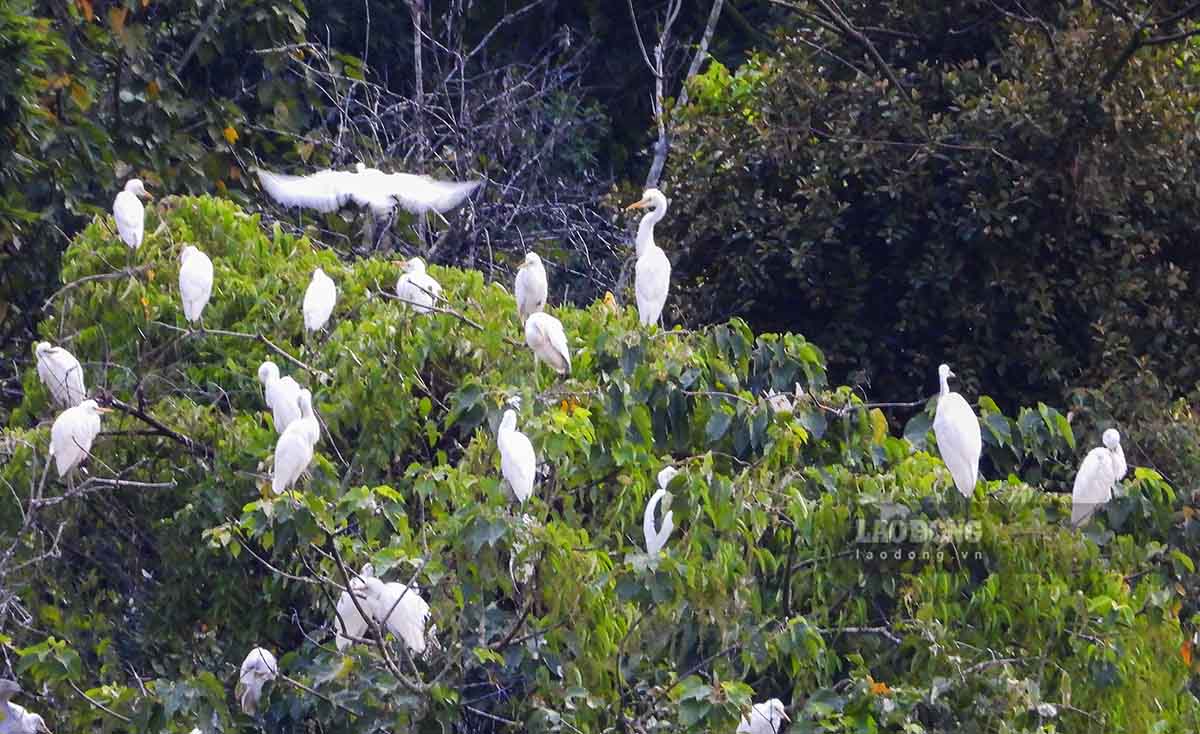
103 410
785 716
147 195
638 205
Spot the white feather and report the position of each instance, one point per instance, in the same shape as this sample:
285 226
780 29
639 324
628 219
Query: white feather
349 625
72 435
518 463
764 718
545 336
129 213
319 300
959 439
416 287
656 539
652 273
258 668
195 282
400 609
329 190
530 288
1099 472
282 395
61 373
294 450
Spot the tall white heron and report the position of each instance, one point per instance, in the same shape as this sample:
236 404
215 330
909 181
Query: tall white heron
764 718
657 538
72 435
959 439
195 282
130 214
1101 469
61 373
14 718
258 668
652 274
518 462
530 287
294 450
416 287
282 395
319 300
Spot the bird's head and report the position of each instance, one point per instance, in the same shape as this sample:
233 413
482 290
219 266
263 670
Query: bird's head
944 372
186 252
509 421
91 406
666 475
652 199
268 371
318 273
531 258
137 188
41 349
777 710
414 265
1112 439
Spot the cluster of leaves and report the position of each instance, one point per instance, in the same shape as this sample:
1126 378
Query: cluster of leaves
1006 188
130 599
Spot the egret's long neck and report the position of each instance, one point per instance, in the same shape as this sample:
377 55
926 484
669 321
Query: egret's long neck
945 386
645 235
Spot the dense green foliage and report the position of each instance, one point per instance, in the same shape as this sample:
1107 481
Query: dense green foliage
145 598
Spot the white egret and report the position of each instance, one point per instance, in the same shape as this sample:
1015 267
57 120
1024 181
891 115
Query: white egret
195 282
400 609
349 625
652 274
530 288
319 300
518 463
258 668
14 718
416 287
764 718
61 373
959 440
72 435
657 538
130 214
1101 469
545 336
282 395
294 450
329 190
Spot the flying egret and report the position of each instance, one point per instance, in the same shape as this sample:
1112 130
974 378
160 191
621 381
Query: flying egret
530 288
652 274
195 282
545 336
61 373
400 609
348 624
329 190
14 718
518 463
319 300
1102 468
416 287
764 718
282 395
656 539
72 435
258 668
959 440
130 214
294 450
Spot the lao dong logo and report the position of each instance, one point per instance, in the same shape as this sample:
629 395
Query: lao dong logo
916 538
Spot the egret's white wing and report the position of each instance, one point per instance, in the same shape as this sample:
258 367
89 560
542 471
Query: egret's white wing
319 300
325 191
418 289
558 342
419 194
1093 485
530 290
195 284
402 610
656 539
62 375
518 463
349 623
71 438
131 218
959 440
1120 468
283 397
293 452
652 279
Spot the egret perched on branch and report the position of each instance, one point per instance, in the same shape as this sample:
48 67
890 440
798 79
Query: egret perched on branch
656 539
959 440
282 395
329 190
545 336
1101 469
652 274
518 463
530 288
400 609
294 450
14 719
195 282
61 373
764 718
130 214
319 300
72 435
416 287
348 624
258 668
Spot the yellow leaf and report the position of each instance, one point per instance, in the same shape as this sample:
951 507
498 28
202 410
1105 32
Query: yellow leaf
145 3
116 19
878 425
235 173
150 275
220 186
152 89
231 135
879 688
1186 651
80 96
86 7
